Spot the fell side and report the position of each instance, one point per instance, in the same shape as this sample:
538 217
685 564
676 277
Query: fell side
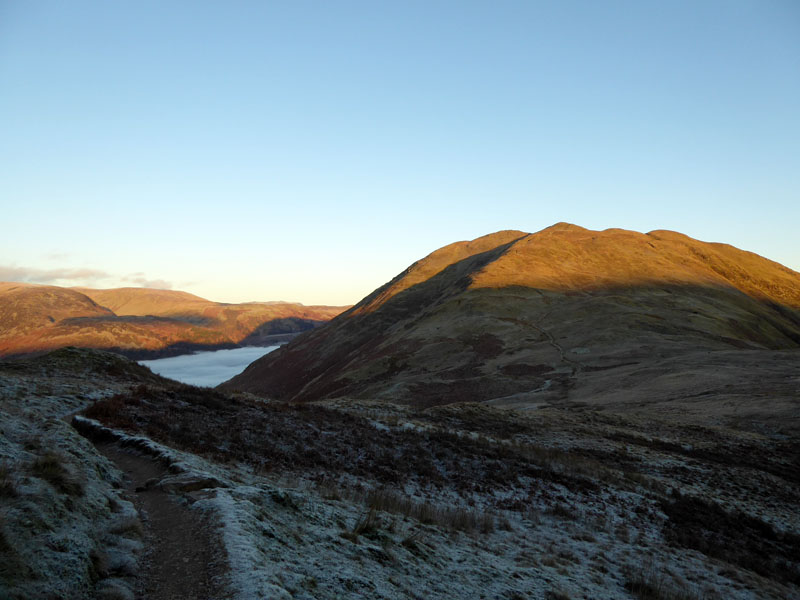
566 316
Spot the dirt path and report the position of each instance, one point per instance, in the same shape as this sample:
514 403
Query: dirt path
576 366
184 558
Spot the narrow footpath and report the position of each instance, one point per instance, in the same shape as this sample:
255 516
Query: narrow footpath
184 557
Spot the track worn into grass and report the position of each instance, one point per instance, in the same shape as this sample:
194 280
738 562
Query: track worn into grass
184 557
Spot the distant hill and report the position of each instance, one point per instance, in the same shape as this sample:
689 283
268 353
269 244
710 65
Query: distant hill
132 301
562 316
26 307
140 322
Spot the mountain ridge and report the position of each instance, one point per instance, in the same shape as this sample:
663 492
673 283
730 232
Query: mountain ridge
141 322
539 318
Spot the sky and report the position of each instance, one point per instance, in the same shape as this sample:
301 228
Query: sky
310 151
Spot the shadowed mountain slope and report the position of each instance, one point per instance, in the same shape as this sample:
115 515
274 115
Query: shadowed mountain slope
564 316
140 322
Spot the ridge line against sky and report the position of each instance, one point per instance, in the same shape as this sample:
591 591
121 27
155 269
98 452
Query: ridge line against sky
310 151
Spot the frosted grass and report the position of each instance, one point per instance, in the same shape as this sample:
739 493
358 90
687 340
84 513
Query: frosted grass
207 369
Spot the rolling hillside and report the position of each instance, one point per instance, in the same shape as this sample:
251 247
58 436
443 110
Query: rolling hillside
140 322
562 316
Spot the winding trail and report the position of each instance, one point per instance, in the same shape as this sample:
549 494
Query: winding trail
184 557
576 366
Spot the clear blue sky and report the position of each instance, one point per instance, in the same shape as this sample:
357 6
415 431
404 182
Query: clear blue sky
310 151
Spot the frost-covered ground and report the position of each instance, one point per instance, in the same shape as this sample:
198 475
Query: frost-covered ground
355 499
65 530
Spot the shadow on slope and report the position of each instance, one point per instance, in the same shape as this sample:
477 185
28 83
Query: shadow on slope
356 334
440 342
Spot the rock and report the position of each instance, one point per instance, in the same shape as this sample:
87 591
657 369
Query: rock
188 482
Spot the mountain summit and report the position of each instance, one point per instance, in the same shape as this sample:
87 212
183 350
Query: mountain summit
565 315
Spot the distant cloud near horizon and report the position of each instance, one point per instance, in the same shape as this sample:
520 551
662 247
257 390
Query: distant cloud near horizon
73 277
31 275
141 280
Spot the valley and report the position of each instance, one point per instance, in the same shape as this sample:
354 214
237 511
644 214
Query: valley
206 369
142 323
400 300
354 498
560 415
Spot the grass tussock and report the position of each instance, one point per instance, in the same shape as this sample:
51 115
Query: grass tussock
649 582
367 525
467 520
8 486
98 565
130 527
413 542
12 567
51 468
452 518
564 511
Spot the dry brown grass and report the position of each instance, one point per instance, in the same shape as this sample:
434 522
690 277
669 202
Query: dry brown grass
289 437
51 468
468 520
367 525
512 471
648 581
